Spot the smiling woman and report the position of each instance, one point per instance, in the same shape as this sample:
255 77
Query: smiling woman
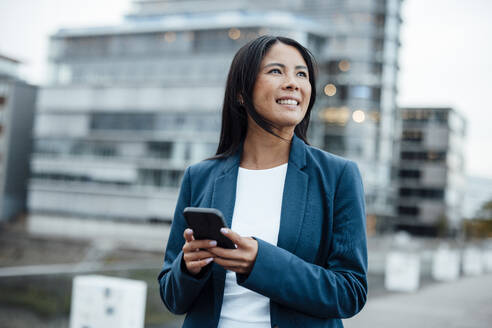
282 90
296 213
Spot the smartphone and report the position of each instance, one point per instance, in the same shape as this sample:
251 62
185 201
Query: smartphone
206 224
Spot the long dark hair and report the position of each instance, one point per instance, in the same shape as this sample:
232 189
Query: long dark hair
238 98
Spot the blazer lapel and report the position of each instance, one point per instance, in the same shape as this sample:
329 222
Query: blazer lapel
224 194
294 197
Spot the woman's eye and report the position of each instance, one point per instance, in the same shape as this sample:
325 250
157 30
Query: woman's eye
275 70
303 74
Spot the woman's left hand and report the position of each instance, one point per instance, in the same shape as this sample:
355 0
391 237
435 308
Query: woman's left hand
239 260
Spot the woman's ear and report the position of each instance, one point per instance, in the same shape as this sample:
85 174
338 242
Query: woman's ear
240 99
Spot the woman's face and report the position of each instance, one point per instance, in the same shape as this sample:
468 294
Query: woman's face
282 90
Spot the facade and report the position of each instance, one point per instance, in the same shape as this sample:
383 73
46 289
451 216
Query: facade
16 115
130 106
355 114
431 182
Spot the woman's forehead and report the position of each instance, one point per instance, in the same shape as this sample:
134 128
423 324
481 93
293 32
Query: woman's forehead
283 54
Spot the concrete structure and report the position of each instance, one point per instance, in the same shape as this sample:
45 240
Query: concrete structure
430 170
130 106
16 115
103 301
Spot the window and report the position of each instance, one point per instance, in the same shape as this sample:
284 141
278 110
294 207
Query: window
154 121
380 18
360 91
66 177
409 174
408 210
159 178
122 121
416 115
377 68
105 149
335 144
430 156
378 44
441 117
429 193
160 149
219 40
413 136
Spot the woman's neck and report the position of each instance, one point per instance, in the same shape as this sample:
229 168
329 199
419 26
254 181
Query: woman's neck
262 150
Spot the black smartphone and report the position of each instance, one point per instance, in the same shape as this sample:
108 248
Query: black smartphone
206 224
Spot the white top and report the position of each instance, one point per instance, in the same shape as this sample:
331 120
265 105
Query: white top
256 213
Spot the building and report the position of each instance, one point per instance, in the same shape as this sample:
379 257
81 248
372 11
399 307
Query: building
355 114
430 171
130 106
16 116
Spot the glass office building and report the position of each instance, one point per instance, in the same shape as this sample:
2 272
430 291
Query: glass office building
128 107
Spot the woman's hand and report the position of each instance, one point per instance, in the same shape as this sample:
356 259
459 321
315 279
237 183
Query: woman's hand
195 252
239 260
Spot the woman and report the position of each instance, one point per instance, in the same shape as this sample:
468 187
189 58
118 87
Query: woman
296 212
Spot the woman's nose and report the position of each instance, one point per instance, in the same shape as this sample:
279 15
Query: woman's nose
290 83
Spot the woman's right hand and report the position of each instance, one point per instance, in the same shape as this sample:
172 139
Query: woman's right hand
195 254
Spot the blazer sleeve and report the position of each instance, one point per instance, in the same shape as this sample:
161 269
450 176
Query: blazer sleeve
337 289
177 287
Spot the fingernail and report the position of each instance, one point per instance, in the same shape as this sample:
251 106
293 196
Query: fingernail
224 230
189 231
213 243
210 259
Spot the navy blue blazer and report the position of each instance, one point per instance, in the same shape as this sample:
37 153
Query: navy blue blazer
314 276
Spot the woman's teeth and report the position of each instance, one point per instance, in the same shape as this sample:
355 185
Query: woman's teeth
287 102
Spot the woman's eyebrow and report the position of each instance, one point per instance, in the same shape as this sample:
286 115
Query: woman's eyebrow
283 66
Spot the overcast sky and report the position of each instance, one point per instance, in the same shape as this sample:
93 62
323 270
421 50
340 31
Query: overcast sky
444 58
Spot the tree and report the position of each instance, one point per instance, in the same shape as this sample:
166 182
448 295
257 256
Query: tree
481 225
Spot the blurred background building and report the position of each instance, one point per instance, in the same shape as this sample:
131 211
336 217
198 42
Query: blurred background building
16 115
130 106
431 166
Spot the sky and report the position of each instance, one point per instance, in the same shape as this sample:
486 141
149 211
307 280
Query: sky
444 57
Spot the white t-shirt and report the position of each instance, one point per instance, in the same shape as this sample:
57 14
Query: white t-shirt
256 213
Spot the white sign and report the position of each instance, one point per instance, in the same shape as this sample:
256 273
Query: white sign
102 302
402 272
472 262
446 265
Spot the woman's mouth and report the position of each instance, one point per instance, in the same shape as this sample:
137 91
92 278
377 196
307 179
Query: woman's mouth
291 102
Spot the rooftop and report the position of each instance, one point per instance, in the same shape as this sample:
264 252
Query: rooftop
200 21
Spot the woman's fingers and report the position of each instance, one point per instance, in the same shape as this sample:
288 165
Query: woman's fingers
199 253
188 235
196 266
233 265
240 259
196 256
195 245
232 235
226 262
